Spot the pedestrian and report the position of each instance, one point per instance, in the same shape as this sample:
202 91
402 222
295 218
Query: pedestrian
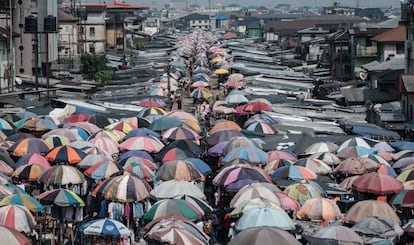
179 102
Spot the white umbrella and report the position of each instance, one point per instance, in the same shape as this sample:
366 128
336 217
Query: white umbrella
105 227
173 188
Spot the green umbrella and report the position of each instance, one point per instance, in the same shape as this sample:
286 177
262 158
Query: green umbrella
168 207
164 123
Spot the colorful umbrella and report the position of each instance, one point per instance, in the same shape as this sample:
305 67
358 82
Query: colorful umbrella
60 198
404 198
99 120
221 71
30 145
327 157
200 165
281 155
173 188
106 145
269 217
103 169
250 154
369 208
164 123
201 93
142 132
186 145
29 172
319 209
56 140
78 117
138 160
354 151
377 184
357 141
91 160
13 237
173 154
257 107
231 174
356 166
223 135
146 143
62 175
124 188
171 207
87 126
315 165
17 217
336 234
72 133
263 236
134 153
23 200
320 147
303 191
226 124
39 123
262 190
136 122
406 175
120 126
293 172
151 111
258 202
180 133
65 154
141 170
178 170
262 128
105 227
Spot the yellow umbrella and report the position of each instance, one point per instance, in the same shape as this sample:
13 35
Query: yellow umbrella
221 71
217 60
194 125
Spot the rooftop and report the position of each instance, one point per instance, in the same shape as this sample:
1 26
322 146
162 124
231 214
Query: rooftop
394 35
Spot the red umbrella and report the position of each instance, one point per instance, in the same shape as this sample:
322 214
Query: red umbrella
257 106
377 184
150 104
80 117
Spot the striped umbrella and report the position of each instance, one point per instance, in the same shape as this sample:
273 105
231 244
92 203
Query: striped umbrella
178 170
124 188
173 188
151 111
262 128
29 172
65 154
180 133
172 207
105 227
252 155
23 200
138 160
121 126
146 143
30 145
319 209
141 170
60 198
56 140
315 165
292 172
303 191
78 117
62 175
72 133
17 217
32 158
91 160
106 144
174 154
236 173
103 169
13 237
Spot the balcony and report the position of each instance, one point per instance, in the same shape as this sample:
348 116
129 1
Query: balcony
366 51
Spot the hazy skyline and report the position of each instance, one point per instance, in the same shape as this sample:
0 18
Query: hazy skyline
269 3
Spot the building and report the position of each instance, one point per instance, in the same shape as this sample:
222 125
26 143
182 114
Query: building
197 21
177 4
92 28
390 43
67 45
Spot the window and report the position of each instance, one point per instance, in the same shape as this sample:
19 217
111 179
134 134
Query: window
91 49
92 31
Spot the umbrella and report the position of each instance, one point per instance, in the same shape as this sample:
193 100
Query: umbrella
137 122
279 155
174 154
11 236
186 145
225 124
271 166
56 140
141 170
338 233
106 145
124 188
234 84
175 230
60 198
105 227
347 182
180 133
5 191
19 136
181 115
319 209
200 165
29 172
221 71
164 123
315 165
173 188
78 117
292 172
262 190
406 175
376 183
153 99
150 104
262 128
388 170
5 168
72 133
383 146
303 191
257 107
91 160
151 111
65 154
99 120
237 142
235 99
376 226
258 202
327 157
171 207
234 173
146 143
403 162
17 217
23 200
263 236
121 126
39 123
178 170
354 151
357 141
269 217
103 169
199 204
320 147
404 198
200 84
62 175
87 126
223 135
138 160
367 208
201 93
29 145
250 154
356 166
142 132
135 153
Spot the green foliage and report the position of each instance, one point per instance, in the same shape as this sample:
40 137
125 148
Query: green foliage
103 77
94 67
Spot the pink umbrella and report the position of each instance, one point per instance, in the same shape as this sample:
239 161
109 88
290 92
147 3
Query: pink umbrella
89 127
33 158
181 115
286 202
278 155
107 145
146 143
347 183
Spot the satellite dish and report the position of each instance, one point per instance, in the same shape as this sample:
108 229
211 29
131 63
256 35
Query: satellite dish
363 75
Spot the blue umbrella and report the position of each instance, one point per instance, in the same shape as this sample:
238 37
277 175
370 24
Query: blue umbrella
200 165
250 154
141 131
273 217
135 153
218 148
105 227
403 145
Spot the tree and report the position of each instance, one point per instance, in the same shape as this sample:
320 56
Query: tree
94 67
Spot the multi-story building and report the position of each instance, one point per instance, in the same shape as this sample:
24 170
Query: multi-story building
68 40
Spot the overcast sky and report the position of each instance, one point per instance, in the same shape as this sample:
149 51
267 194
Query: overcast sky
269 3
